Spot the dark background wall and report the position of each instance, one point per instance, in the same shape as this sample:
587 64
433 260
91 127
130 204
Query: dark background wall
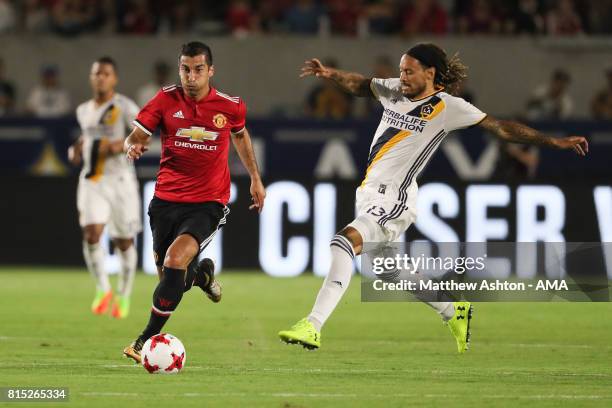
39 219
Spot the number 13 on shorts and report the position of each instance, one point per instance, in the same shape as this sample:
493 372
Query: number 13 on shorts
376 211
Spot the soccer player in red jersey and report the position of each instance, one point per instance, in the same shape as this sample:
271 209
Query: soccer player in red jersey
196 122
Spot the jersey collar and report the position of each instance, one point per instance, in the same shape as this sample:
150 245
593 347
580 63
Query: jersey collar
211 94
110 101
427 96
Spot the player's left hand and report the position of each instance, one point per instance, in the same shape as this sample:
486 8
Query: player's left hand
258 195
315 67
577 143
134 151
75 152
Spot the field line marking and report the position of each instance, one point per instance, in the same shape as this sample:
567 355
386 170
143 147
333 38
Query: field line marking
340 395
323 370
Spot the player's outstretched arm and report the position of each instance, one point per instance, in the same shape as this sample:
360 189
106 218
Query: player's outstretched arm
244 147
136 144
515 132
352 82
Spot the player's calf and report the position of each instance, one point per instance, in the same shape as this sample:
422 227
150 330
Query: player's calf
166 297
306 332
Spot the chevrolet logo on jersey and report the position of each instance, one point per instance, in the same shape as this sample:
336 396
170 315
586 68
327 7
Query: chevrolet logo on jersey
197 134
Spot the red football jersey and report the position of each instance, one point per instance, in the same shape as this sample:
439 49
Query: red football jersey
195 140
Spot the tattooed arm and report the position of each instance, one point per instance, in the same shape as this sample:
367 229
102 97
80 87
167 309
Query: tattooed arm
352 82
515 132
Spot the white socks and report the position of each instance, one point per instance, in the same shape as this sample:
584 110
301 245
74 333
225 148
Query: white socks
129 259
335 283
445 309
94 259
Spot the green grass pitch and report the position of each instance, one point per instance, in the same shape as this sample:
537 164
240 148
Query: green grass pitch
373 355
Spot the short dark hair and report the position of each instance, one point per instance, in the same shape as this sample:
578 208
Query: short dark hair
108 60
561 75
195 48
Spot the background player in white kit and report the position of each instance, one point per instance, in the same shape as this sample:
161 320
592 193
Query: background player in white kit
108 189
419 111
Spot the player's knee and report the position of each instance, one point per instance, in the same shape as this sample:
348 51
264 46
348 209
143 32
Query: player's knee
352 237
176 260
91 237
92 241
181 252
123 244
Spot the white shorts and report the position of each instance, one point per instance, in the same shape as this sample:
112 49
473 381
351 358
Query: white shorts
383 217
113 201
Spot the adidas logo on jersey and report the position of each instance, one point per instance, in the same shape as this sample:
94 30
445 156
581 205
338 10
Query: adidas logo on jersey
179 115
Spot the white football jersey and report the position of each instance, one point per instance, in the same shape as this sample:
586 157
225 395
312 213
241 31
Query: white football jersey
408 135
100 124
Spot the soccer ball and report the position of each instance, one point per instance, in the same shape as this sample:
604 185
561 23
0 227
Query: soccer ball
163 354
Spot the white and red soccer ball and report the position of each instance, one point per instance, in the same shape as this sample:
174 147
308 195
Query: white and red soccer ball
163 354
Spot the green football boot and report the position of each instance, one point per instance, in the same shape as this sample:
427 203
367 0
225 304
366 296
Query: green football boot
101 302
459 325
121 307
304 333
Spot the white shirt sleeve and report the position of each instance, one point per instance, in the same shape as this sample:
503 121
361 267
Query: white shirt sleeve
64 103
131 111
461 114
384 88
79 115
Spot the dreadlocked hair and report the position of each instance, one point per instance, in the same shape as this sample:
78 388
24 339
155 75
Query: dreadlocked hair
455 73
449 72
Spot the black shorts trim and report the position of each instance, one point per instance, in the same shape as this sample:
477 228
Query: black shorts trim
222 222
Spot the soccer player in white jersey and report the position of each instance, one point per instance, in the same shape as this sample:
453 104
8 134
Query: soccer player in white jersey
419 111
107 193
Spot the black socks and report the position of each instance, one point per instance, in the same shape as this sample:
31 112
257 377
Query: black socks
167 296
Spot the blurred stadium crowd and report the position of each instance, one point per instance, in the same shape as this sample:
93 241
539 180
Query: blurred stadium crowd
308 17
551 100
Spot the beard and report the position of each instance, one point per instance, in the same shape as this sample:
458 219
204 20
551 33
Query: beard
415 91
192 91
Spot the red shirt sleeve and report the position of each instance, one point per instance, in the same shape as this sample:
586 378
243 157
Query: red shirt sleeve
150 115
240 119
